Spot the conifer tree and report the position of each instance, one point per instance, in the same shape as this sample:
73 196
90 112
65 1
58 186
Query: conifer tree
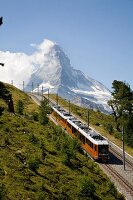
44 110
122 106
20 107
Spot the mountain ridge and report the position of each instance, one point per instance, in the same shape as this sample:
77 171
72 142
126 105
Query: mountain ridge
56 74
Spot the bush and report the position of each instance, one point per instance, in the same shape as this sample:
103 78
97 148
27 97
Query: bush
33 138
97 124
2 172
33 164
2 192
86 187
109 128
68 147
35 116
1 110
44 110
20 107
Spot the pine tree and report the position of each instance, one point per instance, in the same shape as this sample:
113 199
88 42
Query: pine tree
20 107
122 106
44 110
7 97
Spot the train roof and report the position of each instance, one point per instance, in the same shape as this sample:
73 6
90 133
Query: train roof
90 134
64 114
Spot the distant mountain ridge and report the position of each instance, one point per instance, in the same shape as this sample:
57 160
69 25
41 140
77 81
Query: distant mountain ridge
56 74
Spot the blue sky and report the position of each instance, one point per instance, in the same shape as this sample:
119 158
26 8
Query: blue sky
97 35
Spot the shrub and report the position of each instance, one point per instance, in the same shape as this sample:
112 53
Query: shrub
2 173
68 147
20 107
33 138
33 164
44 110
109 128
2 192
97 124
86 187
35 116
1 110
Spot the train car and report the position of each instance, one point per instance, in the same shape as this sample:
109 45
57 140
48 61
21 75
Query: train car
96 145
60 115
92 142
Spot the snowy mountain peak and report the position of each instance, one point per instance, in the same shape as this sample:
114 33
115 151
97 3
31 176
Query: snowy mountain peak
46 44
55 72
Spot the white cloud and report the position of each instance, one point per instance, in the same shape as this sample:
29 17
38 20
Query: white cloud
19 66
46 46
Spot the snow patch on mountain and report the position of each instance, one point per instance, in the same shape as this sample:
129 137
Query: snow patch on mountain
44 88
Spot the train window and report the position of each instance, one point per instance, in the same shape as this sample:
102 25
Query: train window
60 118
89 143
103 149
78 134
74 131
82 138
95 147
69 125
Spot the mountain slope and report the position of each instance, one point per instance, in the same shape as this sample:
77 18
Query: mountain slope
32 161
56 74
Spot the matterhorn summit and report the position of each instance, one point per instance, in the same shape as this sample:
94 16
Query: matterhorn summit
54 72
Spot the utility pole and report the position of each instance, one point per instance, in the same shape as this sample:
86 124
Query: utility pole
56 104
48 95
88 118
1 22
57 99
38 88
42 92
123 147
69 107
32 87
23 86
11 82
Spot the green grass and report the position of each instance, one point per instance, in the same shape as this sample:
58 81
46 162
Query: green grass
41 162
29 105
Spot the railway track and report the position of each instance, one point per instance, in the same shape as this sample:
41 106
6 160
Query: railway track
115 174
119 156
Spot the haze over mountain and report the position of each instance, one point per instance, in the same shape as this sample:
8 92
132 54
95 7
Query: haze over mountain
54 72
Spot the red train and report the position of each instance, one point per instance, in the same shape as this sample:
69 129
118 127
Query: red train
93 143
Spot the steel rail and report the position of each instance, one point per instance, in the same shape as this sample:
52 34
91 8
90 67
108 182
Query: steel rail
118 155
122 181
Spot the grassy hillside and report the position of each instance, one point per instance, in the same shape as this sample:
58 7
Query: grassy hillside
29 105
41 162
105 124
